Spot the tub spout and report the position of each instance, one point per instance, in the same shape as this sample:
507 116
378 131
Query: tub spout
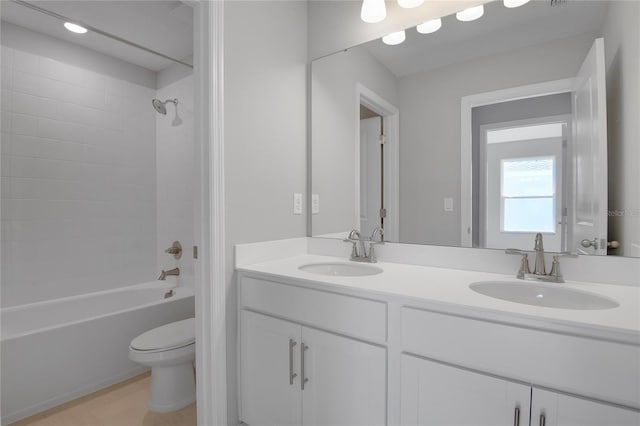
163 276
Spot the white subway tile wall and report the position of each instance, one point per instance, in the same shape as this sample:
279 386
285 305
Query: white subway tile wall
78 180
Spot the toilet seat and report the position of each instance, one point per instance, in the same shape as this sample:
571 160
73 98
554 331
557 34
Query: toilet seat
165 338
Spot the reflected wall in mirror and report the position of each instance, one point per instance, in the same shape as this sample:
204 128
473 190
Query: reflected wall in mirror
486 132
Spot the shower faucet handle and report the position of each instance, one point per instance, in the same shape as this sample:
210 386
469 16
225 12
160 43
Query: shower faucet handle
175 250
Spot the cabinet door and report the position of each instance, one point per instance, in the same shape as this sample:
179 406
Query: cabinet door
434 394
346 381
555 409
267 395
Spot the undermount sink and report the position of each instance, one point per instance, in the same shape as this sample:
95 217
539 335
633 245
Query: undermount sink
338 269
547 295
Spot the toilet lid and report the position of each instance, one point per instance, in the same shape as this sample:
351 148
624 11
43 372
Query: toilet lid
173 335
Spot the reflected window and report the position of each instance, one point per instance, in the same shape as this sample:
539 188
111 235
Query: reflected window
528 195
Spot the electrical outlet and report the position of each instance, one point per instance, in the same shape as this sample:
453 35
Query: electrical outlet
448 204
297 203
315 204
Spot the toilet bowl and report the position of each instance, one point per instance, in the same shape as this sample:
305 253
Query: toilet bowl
170 352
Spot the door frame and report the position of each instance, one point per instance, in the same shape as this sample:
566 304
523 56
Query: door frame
565 198
209 236
391 125
467 103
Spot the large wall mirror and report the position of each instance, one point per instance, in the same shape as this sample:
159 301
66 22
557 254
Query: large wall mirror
484 133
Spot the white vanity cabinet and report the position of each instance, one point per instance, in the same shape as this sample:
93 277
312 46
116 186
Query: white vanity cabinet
556 409
269 395
436 394
294 374
376 359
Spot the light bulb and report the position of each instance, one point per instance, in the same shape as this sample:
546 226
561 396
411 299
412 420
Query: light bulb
515 3
394 38
75 28
430 26
470 14
410 4
373 11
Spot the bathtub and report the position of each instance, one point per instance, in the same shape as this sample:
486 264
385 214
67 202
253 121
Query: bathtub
54 351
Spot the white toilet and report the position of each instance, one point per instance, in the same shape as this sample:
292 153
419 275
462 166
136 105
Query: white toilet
170 352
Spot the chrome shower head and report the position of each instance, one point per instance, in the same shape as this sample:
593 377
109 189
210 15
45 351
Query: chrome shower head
159 106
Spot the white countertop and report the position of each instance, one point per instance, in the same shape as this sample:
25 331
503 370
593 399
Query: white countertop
447 290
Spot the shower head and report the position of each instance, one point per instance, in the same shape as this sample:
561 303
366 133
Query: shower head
159 105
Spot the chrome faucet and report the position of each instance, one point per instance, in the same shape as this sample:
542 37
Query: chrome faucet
171 272
359 250
539 271
539 268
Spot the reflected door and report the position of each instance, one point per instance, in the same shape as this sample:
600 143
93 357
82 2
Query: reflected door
371 175
589 234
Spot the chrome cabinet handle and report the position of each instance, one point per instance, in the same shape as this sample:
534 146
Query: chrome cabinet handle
543 420
303 378
516 417
292 375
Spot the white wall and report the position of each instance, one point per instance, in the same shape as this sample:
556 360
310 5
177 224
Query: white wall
430 128
175 171
78 170
265 135
335 122
621 34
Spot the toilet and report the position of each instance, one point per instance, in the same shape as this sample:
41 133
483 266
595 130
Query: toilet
170 352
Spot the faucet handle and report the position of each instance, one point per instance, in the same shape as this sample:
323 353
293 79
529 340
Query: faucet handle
555 269
565 254
377 232
354 248
516 251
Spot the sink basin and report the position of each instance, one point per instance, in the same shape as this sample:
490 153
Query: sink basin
341 269
547 295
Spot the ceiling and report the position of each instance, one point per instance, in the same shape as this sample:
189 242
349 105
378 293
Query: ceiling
499 30
163 26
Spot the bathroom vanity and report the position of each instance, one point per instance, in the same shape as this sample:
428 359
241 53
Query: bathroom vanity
415 345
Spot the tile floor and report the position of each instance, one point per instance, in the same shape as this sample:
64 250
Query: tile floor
123 404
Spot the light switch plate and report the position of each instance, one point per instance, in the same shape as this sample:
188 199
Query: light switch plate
448 204
315 204
297 203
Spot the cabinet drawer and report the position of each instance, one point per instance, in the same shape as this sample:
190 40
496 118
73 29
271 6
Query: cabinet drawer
352 316
589 367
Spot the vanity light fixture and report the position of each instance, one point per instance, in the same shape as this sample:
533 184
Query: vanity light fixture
75 28
410 4
373 11
470 14
394 38
430 26
515 3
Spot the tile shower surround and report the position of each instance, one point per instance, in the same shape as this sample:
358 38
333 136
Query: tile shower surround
78 180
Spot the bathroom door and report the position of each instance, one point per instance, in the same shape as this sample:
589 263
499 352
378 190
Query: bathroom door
590 155
371 175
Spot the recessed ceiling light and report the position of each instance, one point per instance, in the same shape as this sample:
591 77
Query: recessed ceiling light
394 38
430 26
470 14
515 3
373 11
75 28
410 4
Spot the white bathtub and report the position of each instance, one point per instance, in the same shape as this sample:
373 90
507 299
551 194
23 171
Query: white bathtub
58 350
